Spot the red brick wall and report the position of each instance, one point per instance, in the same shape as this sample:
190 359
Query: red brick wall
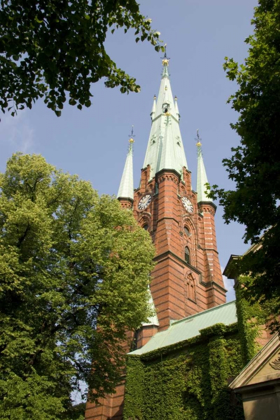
180 289
110 407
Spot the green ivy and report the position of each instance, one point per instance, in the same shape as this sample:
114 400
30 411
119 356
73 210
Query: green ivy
134 388
250 316
186 381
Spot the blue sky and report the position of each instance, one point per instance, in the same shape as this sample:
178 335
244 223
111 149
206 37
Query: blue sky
93 142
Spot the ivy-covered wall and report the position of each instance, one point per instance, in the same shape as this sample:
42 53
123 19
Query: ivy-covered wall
186 381
252 317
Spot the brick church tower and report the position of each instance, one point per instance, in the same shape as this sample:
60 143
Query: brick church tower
187 278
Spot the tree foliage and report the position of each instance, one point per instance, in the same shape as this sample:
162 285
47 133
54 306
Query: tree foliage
255 164
55 49
67 257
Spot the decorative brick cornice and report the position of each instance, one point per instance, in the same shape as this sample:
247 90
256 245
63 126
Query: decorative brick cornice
126 199
208 249
218 286
168 175
210 284
126 203
207 207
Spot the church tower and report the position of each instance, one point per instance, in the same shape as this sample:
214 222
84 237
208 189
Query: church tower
187 277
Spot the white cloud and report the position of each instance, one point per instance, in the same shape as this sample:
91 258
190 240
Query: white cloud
17 132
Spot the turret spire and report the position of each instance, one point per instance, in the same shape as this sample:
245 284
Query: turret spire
153 319
126 190
165 148
201 174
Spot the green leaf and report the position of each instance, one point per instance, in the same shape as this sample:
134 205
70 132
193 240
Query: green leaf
53 59
66 254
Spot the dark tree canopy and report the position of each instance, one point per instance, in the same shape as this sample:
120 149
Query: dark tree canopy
255 164
55 49
67 257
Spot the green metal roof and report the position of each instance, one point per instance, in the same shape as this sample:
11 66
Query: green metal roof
189 327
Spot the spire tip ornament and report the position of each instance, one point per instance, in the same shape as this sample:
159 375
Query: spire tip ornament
198 142
165 59
132 135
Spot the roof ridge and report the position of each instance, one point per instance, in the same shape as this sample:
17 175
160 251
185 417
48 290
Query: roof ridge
201 313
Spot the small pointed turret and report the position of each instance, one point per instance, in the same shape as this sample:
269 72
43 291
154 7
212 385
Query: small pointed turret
201 175
154 108
126 190
153 319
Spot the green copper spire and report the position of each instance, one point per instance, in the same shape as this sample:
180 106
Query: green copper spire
201 175
154 108
165 148
126 185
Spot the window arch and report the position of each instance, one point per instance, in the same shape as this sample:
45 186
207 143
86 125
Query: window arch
145 222
187 255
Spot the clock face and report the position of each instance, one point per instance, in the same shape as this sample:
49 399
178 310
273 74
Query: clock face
187 204
144 202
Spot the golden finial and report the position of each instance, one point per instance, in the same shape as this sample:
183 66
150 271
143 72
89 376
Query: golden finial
165 59
198 143
131 135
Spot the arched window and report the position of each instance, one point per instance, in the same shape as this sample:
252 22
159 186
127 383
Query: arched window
187 255
145 226
187 232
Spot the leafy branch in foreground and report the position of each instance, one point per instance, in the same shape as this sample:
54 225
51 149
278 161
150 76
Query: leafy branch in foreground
55 50
255 165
